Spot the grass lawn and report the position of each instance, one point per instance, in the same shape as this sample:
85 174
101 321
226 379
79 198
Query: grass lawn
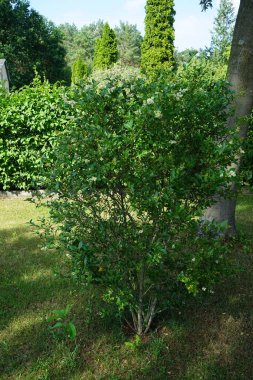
211 340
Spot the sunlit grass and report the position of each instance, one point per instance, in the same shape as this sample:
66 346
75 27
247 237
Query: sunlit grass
245 214
208 340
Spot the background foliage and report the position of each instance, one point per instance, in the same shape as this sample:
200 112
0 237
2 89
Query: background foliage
222 33
81 42
27 39
129 41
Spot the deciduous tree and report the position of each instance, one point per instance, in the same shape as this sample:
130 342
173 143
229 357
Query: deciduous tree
27 39
240 75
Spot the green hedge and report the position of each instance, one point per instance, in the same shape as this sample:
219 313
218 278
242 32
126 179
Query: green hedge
30 119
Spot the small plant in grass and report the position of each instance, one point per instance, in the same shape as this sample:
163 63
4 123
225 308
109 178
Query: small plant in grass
157 346
134 344
133 175
63 324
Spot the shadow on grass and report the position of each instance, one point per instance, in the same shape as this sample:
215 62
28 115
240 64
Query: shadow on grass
26 273
209 340
29 291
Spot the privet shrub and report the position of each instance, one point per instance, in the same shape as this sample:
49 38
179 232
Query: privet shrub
30 119
132 178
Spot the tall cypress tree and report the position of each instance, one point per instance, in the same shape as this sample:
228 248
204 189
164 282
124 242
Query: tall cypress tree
97 54
79 71
106 52
158 44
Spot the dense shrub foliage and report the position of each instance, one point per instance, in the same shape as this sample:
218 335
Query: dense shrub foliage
29 121
132 176
117 73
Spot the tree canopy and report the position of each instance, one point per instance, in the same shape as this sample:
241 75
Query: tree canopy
206 4
28 39
222 33
81 42
129 41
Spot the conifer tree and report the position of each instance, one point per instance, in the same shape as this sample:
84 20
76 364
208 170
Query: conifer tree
158 44
97 54
106 52
79 71
129 41
222 33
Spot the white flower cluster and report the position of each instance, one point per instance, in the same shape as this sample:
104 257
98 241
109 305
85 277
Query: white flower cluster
158 114
180 93
232 173
150 101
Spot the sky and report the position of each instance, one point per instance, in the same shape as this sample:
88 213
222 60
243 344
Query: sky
192 27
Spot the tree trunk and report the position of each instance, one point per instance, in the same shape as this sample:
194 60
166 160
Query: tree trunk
240 75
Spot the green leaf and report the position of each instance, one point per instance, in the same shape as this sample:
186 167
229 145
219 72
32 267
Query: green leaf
71 330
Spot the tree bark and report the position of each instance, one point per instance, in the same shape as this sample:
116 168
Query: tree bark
240 75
